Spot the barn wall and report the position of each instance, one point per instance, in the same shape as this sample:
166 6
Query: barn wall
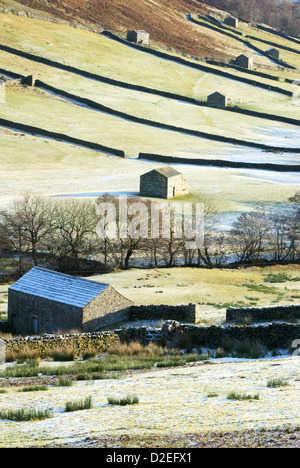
153 184
109 308
51 316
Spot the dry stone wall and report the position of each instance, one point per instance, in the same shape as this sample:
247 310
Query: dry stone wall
182 313
45 344
273 336
264 314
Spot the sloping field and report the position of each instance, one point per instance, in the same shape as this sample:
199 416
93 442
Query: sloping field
172 402
102 56
30 163
213 290
30 107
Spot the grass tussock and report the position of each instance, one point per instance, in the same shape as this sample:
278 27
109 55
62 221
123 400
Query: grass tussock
136 349
63 355
25 354
35 388
84 404
275 383
25 414
64 382
241 396
129 400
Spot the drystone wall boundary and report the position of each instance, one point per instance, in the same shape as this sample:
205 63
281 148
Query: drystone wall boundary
186 313
219 163
264 314
197 66
36 131
46 344
273 336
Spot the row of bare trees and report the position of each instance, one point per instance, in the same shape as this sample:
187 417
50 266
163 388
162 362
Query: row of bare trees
283 15
65 232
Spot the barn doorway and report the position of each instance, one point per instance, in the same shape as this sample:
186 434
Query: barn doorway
174 191
34 325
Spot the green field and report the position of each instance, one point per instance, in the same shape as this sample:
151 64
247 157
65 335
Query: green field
213 290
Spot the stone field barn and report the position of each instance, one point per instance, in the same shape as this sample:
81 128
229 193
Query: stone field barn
44 301
231 21
164 182
218 100
139 37
244 61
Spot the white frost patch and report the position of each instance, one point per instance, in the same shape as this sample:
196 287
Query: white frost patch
171 400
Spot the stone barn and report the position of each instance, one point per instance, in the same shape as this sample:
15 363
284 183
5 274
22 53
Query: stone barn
164 182
231 21
28 80
273 53
139 37
218 100
44 301
244 61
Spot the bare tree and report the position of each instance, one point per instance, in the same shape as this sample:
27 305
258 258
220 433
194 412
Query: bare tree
36 215
74 229
249 235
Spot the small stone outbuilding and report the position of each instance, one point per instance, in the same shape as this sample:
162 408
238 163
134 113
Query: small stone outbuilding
244 61
139 37
231 21
164 182
218 100
44 301
273 53
28 80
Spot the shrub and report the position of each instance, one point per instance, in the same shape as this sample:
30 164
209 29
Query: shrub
79 405
129 400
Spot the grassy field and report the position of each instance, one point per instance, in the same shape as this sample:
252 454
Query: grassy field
175 402
30 106
213 290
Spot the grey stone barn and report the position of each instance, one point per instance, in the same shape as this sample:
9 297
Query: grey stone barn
231 21
164 182
244 61
218 100
139 37
44 301
273 53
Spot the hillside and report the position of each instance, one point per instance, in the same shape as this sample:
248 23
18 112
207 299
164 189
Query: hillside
164 20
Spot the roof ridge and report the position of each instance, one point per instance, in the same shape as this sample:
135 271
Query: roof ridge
66 275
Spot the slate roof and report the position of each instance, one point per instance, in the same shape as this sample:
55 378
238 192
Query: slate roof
166 171
217 93
59 287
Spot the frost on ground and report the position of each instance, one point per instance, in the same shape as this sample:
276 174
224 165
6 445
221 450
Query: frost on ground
179 400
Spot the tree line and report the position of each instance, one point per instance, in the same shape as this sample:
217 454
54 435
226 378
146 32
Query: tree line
64 234
282 15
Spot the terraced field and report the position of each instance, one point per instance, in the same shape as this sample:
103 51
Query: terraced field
104 57
153 101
